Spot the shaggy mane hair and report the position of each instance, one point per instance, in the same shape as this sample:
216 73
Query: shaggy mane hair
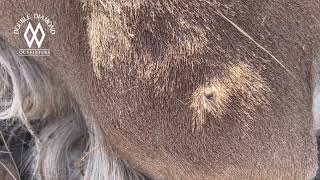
65 143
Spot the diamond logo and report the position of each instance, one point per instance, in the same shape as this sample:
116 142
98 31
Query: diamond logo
34 33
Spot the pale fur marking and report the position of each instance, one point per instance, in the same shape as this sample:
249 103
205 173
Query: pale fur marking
238 81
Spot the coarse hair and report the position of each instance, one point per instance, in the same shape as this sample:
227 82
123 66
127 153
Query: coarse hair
66 144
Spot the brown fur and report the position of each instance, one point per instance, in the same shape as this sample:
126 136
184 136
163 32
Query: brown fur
136 66
240 82
8 171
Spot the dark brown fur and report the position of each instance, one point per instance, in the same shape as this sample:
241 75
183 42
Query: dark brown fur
136 67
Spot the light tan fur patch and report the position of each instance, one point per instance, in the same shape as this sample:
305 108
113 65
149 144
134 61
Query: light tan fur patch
240 82
115 33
